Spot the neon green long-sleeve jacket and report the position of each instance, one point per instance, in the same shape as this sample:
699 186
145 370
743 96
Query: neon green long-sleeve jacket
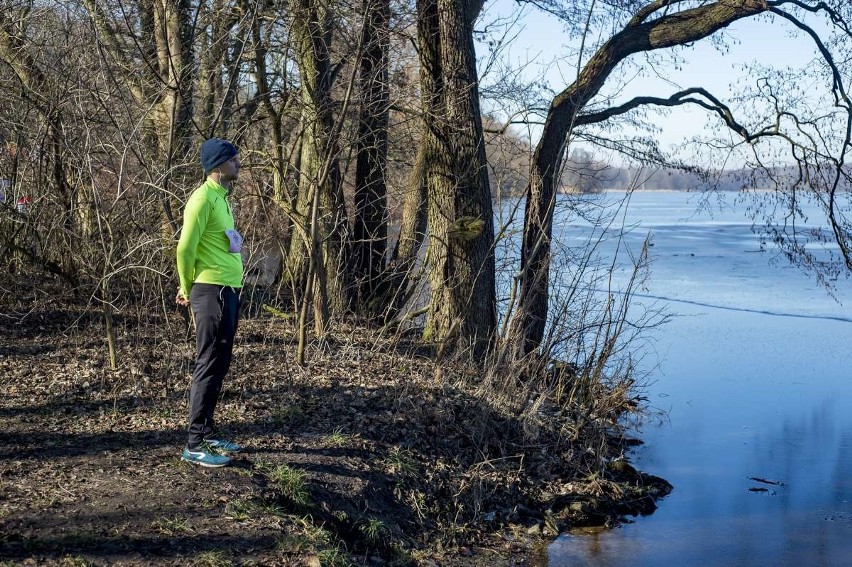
204 250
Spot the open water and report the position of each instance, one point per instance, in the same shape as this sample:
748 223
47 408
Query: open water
755 379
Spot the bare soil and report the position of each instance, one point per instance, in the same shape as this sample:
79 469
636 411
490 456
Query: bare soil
365 456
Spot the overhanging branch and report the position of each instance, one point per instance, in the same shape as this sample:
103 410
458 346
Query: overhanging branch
677 99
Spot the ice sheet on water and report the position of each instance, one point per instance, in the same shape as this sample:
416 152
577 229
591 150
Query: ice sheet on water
714 259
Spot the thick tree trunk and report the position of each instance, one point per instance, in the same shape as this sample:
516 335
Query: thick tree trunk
412 226
371 211
462 309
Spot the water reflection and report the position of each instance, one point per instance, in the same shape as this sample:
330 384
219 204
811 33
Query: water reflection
781 414
748 395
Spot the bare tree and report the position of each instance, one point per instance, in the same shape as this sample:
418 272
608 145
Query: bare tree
150 43
661 25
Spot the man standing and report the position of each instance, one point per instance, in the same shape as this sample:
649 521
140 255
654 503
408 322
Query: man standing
210 268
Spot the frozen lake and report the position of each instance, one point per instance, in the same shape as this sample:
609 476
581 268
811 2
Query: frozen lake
755 380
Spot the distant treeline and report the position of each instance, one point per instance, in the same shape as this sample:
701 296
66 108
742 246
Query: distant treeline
671 179
586 173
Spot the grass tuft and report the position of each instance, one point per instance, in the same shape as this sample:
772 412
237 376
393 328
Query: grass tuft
292 484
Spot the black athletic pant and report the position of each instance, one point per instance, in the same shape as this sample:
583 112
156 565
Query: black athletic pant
216 309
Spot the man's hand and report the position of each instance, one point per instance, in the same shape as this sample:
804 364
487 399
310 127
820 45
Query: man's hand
181 300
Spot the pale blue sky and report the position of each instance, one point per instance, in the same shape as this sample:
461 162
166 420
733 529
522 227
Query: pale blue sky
540 39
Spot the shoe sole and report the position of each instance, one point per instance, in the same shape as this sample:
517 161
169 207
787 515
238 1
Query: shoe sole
206 465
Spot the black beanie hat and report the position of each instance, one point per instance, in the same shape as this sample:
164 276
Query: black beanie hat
216 151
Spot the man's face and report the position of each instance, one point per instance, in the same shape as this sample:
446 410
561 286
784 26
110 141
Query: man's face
230 170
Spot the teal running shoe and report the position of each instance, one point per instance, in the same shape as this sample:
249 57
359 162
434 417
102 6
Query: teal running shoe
223 445
205 456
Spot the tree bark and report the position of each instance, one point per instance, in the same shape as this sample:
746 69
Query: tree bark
462 308
371 211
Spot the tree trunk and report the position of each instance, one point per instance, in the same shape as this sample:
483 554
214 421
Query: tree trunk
412 232
371 211
462 309
172 115
282 169
312 31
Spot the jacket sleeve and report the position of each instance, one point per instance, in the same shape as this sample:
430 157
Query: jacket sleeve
195 217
